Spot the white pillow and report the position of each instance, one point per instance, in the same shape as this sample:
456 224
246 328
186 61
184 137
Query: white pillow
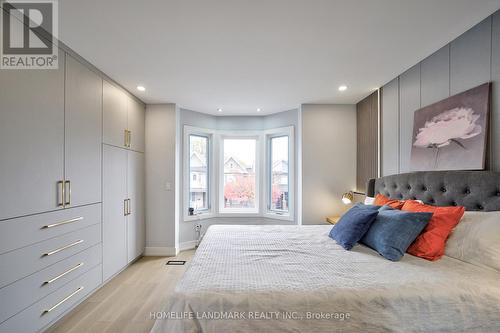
476 239
369 200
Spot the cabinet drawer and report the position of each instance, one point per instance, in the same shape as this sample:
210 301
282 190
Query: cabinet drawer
17 264
48 309
21 294
20 232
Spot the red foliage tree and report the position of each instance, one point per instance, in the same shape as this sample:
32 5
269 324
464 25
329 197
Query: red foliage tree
241 189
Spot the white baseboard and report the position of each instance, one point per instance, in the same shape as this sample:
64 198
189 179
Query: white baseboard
187 245
161 251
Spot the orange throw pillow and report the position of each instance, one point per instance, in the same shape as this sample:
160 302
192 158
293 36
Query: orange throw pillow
431 242
382 200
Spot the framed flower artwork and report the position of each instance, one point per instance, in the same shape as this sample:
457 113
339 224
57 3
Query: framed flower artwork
452 134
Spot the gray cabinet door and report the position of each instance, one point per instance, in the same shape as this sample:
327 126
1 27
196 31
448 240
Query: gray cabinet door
114 227
136 124
31 140
83 133
136 220
114 105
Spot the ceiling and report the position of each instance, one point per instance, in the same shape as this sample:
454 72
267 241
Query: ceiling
240 55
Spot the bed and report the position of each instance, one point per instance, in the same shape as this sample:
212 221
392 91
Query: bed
296 279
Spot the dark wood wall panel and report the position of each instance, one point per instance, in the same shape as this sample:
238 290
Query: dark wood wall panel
367 140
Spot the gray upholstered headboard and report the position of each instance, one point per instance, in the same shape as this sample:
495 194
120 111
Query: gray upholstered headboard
476 190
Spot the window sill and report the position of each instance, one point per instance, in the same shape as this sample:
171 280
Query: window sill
276 216
206 216
236 214
196 217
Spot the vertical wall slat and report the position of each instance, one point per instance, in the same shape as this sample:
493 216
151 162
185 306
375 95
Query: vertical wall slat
367 140
409 102
495 100
390 128
435 77
470 58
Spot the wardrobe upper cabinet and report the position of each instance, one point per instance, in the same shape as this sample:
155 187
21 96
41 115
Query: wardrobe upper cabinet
31 140
124 119
114 105
136 125
83 134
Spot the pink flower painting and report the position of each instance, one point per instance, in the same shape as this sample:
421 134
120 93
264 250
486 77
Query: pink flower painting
451 134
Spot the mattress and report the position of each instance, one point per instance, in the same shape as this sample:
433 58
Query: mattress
297 279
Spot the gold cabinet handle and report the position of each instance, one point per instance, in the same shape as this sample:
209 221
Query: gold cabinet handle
62 248
67 192
60 193
63 274
128 138
76 219
62 301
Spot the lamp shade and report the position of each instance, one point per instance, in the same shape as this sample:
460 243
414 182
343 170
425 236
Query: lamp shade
347 197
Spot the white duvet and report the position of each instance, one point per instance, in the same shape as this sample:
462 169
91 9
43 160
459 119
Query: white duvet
297 279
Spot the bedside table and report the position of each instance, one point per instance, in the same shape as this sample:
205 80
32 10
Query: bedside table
332 219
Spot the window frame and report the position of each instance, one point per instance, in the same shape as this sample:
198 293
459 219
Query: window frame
215 171
241 212
210 211
273 213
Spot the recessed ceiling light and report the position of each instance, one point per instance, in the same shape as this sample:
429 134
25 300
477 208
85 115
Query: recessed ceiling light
343 88
141 88
258 109
219 110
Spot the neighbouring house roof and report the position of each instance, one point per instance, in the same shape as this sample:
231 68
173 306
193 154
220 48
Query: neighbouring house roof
280 166
196 160
237 166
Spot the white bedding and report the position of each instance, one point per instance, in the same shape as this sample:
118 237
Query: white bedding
274 272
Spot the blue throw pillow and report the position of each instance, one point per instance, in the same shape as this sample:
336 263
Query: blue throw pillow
362 205
394 230
353 225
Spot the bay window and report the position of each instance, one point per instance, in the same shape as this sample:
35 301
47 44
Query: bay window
253 176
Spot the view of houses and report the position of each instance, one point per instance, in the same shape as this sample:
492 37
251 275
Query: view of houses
239 183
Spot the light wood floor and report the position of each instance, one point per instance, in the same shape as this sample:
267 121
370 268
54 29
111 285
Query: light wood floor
124 303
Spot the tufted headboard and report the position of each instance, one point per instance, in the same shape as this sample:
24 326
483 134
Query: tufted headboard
476 190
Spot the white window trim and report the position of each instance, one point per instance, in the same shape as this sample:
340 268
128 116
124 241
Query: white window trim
216 179
269 134
257 136
189 130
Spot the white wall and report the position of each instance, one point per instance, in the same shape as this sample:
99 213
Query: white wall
328 159
160 170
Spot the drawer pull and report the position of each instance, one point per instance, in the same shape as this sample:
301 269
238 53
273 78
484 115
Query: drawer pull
63 222
63 248
63 274
62 301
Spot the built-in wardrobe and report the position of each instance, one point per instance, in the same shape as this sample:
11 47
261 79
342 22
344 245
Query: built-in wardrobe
123 180
71 188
